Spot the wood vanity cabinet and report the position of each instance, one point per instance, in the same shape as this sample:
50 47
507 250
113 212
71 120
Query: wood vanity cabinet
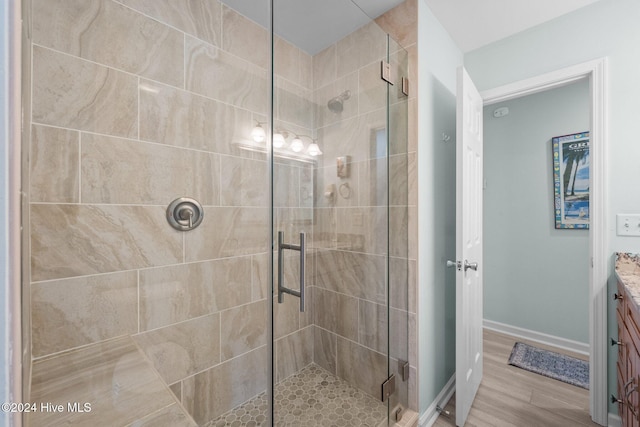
628 395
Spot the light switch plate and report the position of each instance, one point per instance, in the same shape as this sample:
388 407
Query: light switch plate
628 224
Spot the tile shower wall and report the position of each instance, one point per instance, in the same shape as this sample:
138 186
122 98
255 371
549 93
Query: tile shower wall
136 103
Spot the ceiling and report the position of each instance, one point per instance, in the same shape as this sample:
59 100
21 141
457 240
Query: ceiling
313 25
475 23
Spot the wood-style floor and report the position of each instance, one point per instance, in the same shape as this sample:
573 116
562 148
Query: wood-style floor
510 396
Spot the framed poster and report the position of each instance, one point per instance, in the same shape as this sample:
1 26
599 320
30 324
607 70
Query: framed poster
571 180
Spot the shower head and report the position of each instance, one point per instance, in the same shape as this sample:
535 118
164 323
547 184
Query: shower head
336 104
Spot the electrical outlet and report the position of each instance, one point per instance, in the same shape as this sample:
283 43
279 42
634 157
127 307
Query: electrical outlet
628 224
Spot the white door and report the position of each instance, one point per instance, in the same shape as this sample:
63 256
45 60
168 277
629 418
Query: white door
468 245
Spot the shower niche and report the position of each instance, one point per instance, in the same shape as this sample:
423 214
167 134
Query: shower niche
254 112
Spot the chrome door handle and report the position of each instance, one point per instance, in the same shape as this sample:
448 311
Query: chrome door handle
470 265
456 264
281 288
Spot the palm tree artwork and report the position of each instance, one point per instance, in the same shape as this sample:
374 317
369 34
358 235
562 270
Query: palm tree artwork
571 180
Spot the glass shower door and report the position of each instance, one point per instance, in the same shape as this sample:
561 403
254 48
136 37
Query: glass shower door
331 223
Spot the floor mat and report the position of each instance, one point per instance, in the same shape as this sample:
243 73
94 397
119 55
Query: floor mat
550 364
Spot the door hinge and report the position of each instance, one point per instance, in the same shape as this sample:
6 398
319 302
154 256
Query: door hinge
405 370
385 72
405 86
388 387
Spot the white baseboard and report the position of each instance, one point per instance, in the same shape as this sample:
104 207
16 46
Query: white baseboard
431 414
575 346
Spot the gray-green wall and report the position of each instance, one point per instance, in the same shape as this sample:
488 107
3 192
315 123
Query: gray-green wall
439 58
608 28
531 269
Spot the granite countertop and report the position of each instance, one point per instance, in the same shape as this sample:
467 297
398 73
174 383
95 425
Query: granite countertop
628 272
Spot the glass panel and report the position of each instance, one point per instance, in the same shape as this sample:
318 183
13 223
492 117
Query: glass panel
330 360
399 312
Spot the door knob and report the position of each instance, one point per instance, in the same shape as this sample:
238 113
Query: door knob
470 265
456 264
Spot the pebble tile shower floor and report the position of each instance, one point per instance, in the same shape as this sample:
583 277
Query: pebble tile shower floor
312 397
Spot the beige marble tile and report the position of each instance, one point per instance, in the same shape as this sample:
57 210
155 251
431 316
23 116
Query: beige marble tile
260 276
372 90
243 182
412 179
293 353
324 67
361 367
181 292
412 127
412 241
180 350
354 137
398 180
294 104
287 61
161 174
286 319
72 240
306 70
325 349
54 165
373 177
307 188
201 19
337 313
223 387
399 283
243 329
176 389
398 127
78 94
355 274
286 183
217 74
244 38
175 117
365 45
292 222
227 232
401 22
171 416
362 230
399 238
324 230
399 341
113 377
373 326
108 33
306 317
75 312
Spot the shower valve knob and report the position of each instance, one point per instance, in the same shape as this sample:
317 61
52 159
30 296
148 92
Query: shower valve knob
184 214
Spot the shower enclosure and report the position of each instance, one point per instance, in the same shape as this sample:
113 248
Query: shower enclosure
273 290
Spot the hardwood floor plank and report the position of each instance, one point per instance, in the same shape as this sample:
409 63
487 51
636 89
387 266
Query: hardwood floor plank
513 397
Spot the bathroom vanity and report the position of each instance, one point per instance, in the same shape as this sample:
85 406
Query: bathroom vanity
628 315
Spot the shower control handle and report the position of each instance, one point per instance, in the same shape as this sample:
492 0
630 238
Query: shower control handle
185 214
